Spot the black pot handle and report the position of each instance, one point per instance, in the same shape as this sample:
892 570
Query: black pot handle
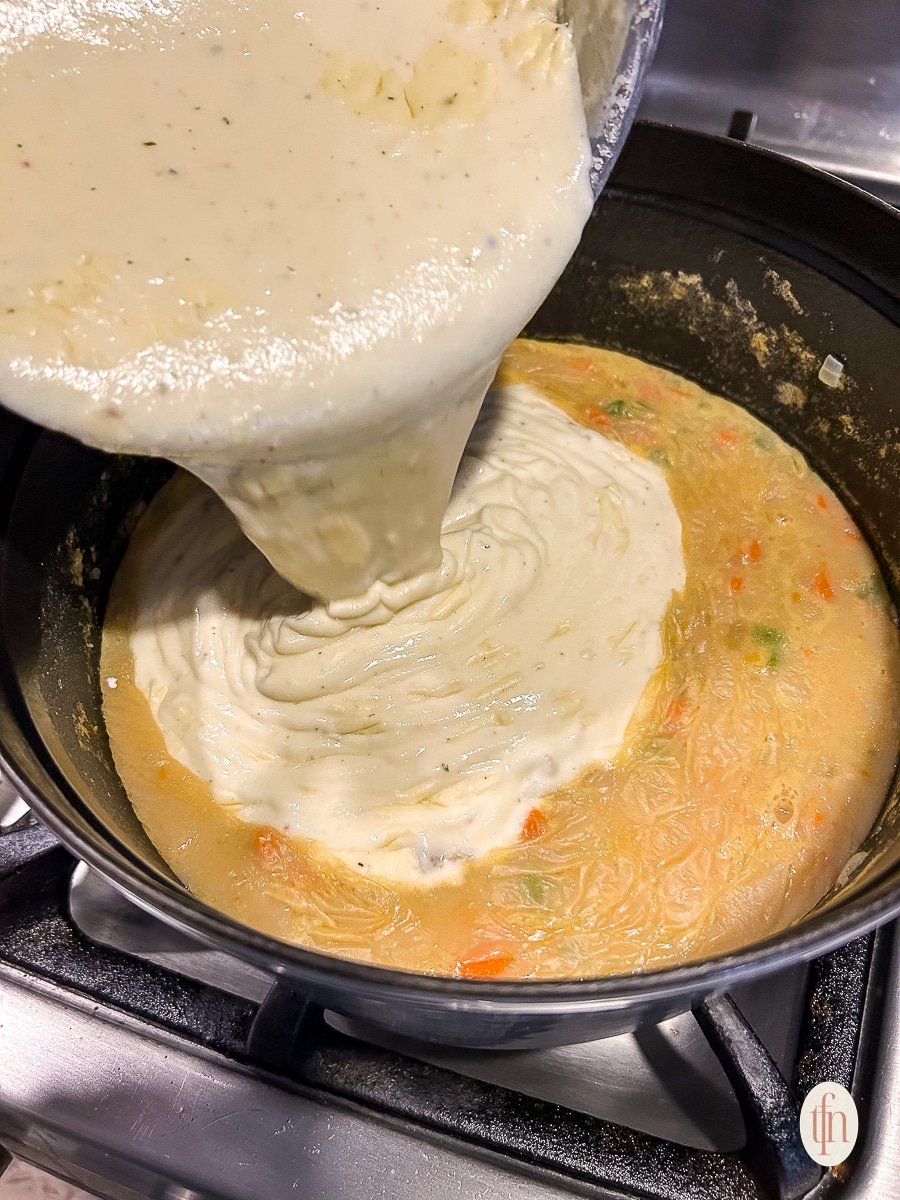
774 1152
24 840
21 843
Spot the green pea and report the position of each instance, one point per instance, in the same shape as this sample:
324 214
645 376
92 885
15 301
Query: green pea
533 888
768 635
662 460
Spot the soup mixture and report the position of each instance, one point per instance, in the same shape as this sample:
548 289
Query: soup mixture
645 711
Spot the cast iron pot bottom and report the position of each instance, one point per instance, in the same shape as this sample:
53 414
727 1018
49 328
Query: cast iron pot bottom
730 266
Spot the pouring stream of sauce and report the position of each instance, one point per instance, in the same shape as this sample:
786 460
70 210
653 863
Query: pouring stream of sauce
284 247
412 730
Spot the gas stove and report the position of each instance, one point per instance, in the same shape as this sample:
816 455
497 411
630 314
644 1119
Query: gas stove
135 1063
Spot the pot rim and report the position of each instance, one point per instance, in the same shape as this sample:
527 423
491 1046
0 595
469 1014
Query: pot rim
814 935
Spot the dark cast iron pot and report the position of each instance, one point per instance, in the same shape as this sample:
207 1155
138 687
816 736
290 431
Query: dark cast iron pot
729 265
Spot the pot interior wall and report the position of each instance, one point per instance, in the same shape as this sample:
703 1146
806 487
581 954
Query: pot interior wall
72 515
734 303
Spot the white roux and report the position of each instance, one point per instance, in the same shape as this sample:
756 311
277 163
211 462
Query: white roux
414 727
261 239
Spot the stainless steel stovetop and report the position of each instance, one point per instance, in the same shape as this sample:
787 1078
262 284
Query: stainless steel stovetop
150 1075
91 1091
821 77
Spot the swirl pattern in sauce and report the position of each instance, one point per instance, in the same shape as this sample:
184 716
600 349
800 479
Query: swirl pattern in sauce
753 765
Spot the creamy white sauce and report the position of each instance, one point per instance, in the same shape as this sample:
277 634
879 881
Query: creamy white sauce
284 246
414 728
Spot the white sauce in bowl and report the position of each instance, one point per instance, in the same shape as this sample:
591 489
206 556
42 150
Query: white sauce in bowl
414 728
284 246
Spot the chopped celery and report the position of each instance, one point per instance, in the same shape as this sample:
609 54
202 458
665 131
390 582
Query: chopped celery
873 590
774 641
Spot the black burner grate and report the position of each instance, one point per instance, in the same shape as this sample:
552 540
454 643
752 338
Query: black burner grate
288 1037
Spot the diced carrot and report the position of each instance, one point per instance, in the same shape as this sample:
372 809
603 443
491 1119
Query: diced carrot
821 501
822 583
749 553
270 847
282 854
582 364
597 419
808 652
677 713
485 966
818 817
535 826
727 437
736 583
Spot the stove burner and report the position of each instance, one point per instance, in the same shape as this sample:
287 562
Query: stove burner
286 1037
